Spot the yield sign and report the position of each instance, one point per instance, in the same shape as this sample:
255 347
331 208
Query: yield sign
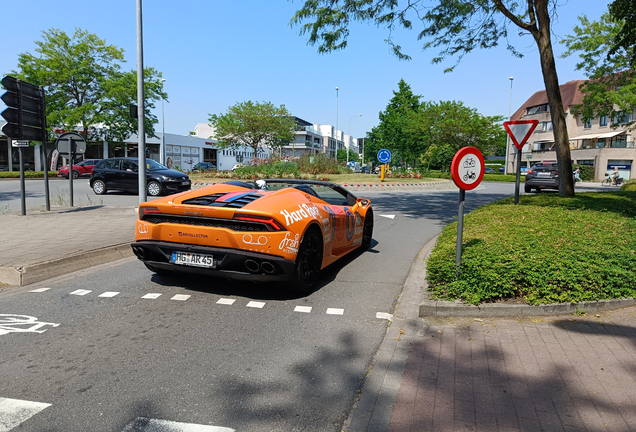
520 130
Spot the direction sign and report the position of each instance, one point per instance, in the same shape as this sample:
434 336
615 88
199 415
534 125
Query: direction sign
16 143
25 113
384 156
520 131
467 168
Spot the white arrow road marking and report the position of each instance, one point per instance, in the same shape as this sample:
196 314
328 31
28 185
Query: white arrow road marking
388 216
142 424
15 411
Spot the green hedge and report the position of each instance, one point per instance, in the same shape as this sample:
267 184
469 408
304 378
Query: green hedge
27 174
487 177
586 172
548 249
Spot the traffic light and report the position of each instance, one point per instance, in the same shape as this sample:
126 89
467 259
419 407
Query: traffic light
26 110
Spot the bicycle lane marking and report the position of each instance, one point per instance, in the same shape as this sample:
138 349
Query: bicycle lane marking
11 323
15 411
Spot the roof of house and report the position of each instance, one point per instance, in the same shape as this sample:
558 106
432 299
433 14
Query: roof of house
570 95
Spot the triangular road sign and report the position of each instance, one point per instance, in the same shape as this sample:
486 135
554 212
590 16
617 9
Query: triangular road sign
520 131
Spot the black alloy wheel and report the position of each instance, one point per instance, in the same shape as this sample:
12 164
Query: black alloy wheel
308 262
367 232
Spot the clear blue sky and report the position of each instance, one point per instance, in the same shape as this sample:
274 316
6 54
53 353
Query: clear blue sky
215 53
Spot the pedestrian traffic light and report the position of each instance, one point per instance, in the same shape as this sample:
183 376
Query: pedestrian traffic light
26 110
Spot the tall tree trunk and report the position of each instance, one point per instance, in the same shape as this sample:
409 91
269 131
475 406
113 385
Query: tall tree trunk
557 113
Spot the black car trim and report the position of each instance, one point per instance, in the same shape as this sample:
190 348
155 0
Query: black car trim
231 224
212 200
230 262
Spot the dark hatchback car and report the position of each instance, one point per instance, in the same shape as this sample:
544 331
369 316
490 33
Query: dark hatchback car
544 175
122 174
204 166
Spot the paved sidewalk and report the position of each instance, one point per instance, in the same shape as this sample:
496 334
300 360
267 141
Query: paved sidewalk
42 245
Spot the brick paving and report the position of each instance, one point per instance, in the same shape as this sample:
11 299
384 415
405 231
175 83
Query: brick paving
566 373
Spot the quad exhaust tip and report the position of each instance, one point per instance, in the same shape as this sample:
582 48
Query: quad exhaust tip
252 265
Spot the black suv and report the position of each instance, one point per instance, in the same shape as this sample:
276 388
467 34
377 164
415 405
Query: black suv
122 174
544 175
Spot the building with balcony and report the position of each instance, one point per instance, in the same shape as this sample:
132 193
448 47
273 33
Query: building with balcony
604 143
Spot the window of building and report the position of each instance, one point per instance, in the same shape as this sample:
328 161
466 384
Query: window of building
600 143
587 124
621 117
546 126
538 109
589 162
602 121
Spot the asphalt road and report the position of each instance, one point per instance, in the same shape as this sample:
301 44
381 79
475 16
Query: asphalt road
102 360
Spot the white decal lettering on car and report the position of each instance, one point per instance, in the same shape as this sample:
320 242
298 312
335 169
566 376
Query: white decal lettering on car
260 241
289 245
304 211
327 237
142 228
359 230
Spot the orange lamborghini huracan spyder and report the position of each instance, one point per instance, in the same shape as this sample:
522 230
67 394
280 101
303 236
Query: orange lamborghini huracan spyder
267 230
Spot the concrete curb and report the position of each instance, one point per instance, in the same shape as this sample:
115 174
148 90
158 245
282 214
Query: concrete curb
25 275
452 309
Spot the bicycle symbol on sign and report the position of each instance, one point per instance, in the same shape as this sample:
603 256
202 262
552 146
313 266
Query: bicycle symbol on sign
469 163
22 324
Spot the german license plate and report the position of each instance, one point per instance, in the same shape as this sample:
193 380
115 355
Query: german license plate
185 183
193 259
543 174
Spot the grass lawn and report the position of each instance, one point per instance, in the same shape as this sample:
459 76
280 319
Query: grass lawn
353 178
548 249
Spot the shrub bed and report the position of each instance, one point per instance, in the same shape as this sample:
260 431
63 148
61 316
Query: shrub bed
27 174
548 249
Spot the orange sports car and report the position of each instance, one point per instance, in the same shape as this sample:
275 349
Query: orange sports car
268 230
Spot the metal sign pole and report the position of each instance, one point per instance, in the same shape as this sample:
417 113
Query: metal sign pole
45 137
518 181
22 190
70 172
460 230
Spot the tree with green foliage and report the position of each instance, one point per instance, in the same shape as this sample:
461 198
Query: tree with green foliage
624 12
459 26
85 86
391 133
442 128
611 87
255 125
353 156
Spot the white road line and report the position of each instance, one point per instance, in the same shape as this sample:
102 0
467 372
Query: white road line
255 304
108 294
15 411
142 424
335 311
151 296
305 309
384 315
181 297
388 216
226 301
80 292
40 290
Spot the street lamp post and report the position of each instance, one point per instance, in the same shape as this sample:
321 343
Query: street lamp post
349 130
336 124
508 136
163 130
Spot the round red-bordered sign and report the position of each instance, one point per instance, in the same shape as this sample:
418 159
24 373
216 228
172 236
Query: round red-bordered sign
467 168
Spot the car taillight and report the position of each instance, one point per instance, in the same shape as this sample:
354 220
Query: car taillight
529 171
145 210
261 219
